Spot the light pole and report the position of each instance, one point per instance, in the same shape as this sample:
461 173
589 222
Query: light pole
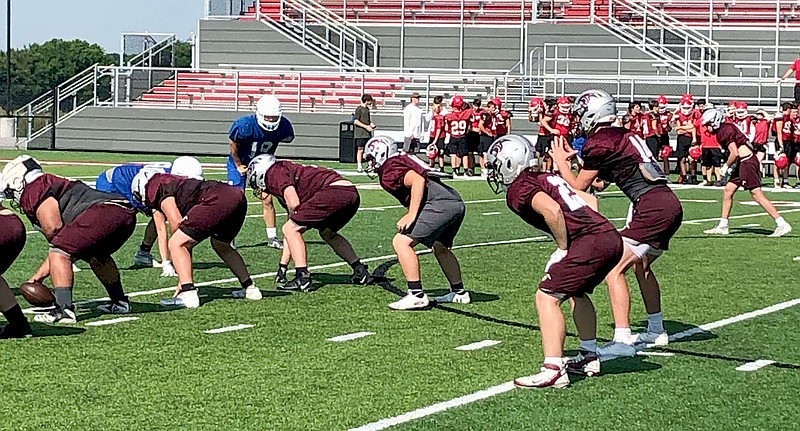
8 57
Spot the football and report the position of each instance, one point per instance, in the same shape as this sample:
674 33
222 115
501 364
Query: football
37 294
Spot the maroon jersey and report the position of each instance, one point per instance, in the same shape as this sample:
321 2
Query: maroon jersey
647 124
438 126
623 158
12 238
579 218
393 173
686 120
729 133
561 122
786 126
187 192
74 197
306 180
638 123
488 123
664 119
476 119
501 123
458 123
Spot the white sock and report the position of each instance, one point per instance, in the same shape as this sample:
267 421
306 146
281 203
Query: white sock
272 232
589 345
655 322
554 360
723 222
622 335
359 167
780 221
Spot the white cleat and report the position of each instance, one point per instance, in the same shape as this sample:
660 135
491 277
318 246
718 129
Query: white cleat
188 299
652 339
717 231
410 302
252 293
453 298
143 260
551 376
796 259
65 317
122 307
781 231
616 349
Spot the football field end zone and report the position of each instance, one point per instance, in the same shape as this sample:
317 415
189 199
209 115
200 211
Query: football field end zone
509 386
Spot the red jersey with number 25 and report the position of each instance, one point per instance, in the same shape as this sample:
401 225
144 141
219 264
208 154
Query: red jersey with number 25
561 122
458 123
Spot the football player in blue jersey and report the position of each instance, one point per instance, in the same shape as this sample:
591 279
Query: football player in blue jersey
251 136
119 180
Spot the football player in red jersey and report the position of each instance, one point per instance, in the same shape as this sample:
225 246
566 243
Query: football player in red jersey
438 135
761 126
637 121
683 120
712 154
474 136
745 172
539 112
435 214
662 125
784 139
79 223
502 118
559 123
456 124
616 155
315 198
488 134
12 241
588 248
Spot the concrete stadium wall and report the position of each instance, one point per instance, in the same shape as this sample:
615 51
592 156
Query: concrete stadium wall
193 132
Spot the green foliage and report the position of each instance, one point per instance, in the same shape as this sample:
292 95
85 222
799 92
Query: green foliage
183 54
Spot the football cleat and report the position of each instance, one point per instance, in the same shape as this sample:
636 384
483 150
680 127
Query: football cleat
121 307
275 243
780 231
188 299
585 364
616 349
16 331
302 284
143 259
551 376
410 302
361 275
252 293
280 276
717 231
453 298
652 339
56 315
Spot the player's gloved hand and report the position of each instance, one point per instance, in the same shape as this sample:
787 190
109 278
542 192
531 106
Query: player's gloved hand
167 270
555 258
725 170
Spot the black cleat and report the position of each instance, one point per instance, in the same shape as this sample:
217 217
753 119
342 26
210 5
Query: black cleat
280 277
302 284
16 331
361 275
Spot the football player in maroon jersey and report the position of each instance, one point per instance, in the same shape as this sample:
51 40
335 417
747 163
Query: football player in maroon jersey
683 120
616 155
745 172
12 241
435 214
197 210
589 246
315 198
438 134
474 136
79 223
636 119
456 124
784 139
488 133
539 112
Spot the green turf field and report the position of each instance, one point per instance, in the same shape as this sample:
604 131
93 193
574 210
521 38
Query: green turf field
163 371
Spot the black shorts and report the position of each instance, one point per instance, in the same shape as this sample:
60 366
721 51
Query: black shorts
760 148
791 150
712 157
682 149
441 146
486 142
652 144
458 147
473 141
361 142
544 144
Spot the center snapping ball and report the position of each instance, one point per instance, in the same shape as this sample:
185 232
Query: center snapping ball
37 294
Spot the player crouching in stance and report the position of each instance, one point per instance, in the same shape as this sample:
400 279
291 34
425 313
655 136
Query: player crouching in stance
197 210
315 198
435 214
12 240
119 180
745 172
79 223
588 248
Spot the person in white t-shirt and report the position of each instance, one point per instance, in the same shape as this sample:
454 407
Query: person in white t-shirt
412 125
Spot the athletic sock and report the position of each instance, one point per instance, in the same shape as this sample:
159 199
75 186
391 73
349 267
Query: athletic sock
356 265
780 221
415 288
188 287
723 222
302 272
458 288
622 335
63 297
145 248
589 345
655 322
272 232
115 292
554 360
247 283
14 316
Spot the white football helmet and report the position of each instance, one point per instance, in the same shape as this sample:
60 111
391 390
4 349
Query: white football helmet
139 183
506 159
188 167
595 107
257 172
17 174
377 151
269 112
712 118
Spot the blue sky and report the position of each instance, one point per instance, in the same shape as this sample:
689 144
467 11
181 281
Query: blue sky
97 21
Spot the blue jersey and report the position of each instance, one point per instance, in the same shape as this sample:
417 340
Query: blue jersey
119 180
251 140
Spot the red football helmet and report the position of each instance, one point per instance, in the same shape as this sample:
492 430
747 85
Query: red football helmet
687 104
741 110
666 152
432 151
696 152
536 102
781 161
564 105
662 103
731 108
457 102
497 102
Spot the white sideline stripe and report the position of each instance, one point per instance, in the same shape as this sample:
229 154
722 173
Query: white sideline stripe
478 345
491 213
706 220
755 365
700 201
508 386
348 337
665 354
751 225
228 329
112 321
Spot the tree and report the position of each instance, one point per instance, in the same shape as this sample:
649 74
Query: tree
183 54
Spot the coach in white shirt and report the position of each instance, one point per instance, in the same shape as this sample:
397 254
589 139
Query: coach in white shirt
412 125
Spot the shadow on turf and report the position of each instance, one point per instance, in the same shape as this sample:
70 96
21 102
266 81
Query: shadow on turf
41 330
212 293
89 311
734 359
264 244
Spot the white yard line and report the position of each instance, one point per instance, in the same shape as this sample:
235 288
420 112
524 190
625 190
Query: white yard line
228 329
491 213
478 345
750 225
700 201
349 337
706 220
755 365
645 353
509 386
112 321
